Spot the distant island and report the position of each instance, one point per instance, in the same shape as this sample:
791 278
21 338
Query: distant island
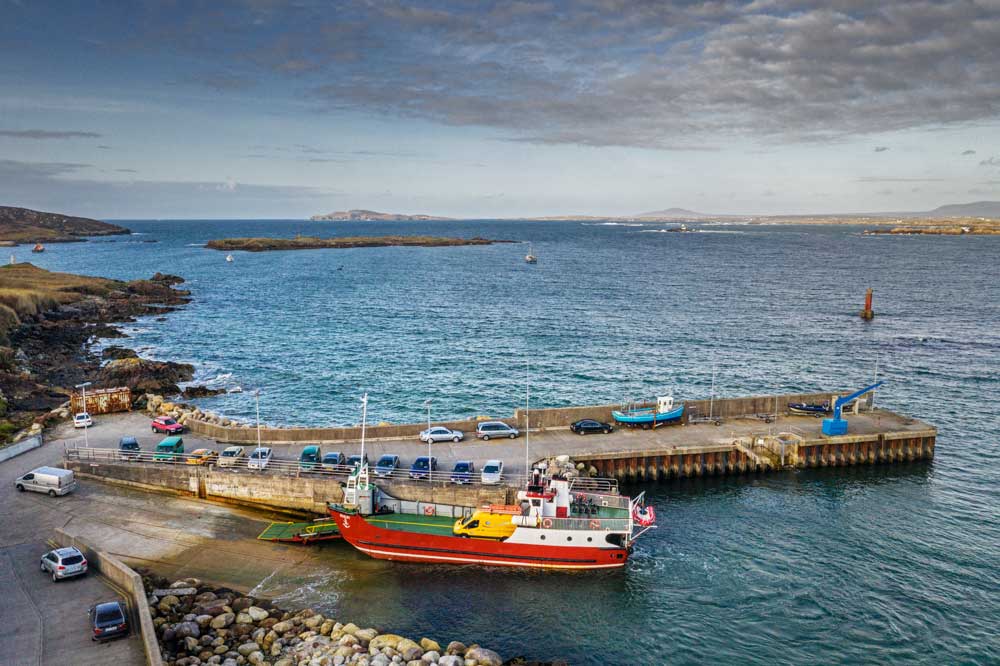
23 225
357 215
972 229
313 243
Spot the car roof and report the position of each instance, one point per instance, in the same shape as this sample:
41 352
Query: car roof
66 552
494 462
463 462
312 448
169 440
108 605
262 448
233 448
202 451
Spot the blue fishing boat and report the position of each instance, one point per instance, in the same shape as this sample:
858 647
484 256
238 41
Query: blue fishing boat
650 417
809 409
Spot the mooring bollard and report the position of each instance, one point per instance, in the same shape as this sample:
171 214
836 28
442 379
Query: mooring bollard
867 314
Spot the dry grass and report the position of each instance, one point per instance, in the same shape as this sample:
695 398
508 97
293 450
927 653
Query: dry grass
28 290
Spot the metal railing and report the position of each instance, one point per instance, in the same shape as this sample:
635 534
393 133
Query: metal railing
603 524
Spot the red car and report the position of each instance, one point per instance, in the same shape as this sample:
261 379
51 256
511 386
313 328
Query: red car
167 425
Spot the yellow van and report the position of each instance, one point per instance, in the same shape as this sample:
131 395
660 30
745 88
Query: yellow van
485 525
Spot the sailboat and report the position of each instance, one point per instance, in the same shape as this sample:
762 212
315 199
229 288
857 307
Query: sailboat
530 258
229 258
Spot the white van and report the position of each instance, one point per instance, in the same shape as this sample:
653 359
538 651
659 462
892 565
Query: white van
51 480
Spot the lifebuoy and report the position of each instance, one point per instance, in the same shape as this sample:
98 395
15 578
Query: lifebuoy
429 510
595 524
645 516
547 523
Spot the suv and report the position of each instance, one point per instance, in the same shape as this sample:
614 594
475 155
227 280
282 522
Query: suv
167 425
386 465
128 447
260 457
310 458
230 456
464 469
418 470
488 429
108 620
64 563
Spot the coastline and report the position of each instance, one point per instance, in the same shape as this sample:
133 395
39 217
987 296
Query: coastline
315 243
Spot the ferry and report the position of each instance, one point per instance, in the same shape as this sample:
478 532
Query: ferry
557 523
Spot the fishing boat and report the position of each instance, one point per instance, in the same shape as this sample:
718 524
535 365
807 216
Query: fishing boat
556 524
530 257
807 409
38 248
650 417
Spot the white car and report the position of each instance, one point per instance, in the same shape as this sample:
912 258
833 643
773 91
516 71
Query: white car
441 434
492 472
63 563
230 455
83 420
260 457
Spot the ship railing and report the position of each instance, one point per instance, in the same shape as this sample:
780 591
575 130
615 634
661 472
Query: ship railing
593 524
587 484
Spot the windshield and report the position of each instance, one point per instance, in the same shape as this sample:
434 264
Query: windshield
420 463
491 469
331 457
310 457
257 454
169 422
462 467
385 461
73 559
229 454
110 614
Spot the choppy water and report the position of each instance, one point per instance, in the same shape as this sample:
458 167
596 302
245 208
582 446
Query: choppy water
869 565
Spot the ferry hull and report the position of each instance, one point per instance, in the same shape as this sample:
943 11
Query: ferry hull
405 546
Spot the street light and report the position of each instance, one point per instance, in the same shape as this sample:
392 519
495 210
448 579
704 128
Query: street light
364 419
427 404
256 395
83 388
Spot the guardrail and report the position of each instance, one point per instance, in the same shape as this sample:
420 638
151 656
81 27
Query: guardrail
275 466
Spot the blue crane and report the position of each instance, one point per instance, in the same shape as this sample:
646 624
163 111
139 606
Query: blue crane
837 425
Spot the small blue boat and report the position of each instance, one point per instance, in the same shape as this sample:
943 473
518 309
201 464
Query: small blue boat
649 417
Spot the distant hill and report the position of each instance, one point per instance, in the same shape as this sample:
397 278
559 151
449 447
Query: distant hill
22 225
676 214
974 209
358 215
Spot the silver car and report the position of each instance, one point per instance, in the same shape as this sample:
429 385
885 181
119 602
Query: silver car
64 563
495 429
441 434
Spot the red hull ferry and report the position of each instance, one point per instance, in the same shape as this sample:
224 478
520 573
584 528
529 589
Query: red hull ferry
553 526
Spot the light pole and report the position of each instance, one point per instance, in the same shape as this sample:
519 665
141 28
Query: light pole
527 425
364 418
83 388
256 395
427 404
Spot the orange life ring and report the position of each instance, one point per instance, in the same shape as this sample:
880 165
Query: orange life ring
595 524
429 510
547 523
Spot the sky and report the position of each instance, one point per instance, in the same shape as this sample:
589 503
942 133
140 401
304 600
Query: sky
285 109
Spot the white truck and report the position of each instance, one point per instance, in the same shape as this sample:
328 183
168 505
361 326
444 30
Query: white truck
51 480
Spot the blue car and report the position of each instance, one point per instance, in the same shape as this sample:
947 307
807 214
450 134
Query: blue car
420 469
386 465
463 472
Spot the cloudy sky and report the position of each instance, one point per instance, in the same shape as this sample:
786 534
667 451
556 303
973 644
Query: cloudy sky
269 108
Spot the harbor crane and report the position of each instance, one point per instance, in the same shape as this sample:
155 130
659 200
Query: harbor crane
837 425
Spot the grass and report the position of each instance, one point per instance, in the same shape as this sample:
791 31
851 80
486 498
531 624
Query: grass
26 290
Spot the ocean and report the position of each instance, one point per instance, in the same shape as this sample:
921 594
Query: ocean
866 565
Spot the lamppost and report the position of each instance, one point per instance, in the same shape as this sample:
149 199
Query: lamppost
83 388
427 404
364 419
256 395
527 412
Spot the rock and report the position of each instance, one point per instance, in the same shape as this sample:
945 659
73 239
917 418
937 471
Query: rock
451 660
384 640
429 645
257 614
212 608
282 627
483 657
223 620
409 650
192 392
203 620
205 596
243 618
380 660
175 591
456 647
186 629
314 621
185 582
191 644
326 627
242 603
247 648
431 657
256 657
365 635
350 628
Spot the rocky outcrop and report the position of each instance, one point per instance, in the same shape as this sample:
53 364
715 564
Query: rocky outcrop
23 225
359 215
200 624
314 243
144 375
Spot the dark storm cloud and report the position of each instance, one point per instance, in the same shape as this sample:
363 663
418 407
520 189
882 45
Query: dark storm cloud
602 72
41 134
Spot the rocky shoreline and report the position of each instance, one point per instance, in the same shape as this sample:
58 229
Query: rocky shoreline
973 230
314 243
203 624
48 321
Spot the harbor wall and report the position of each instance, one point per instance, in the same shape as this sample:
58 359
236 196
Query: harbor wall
556 417
284 492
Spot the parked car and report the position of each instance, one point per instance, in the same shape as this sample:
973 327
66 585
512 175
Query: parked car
488 429
83 420
441 434
128 447
420 468
230 456
63 563
492 472
355 461
588 426
167 425
108 620
259 458
333 459
51 480
202 457
310 458
169 449
464 469
386 465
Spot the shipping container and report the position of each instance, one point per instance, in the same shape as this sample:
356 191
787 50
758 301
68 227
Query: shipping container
103 401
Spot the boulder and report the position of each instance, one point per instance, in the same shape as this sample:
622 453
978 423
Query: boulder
242 603
186 629
257 614
222 621
203 620
429 645
483 657
168 602
455 647
247 648
365 635
383 641
313 622
350 628
243 618
451 660
282 627
409 650
431 657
